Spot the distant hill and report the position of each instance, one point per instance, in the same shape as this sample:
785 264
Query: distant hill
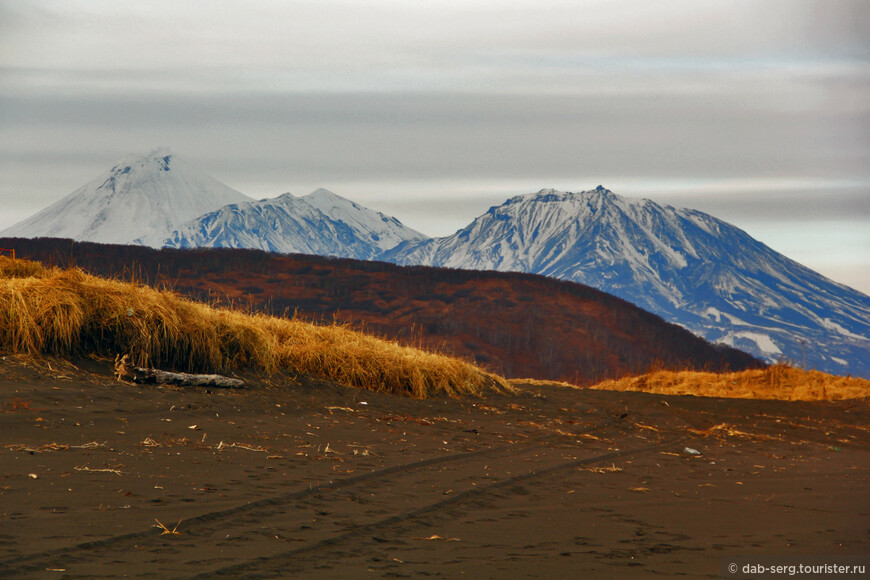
516 324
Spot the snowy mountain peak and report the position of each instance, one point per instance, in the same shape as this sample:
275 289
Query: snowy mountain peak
686 266
158 159
142 199
327 201
550 195
321 223
572 194
321 193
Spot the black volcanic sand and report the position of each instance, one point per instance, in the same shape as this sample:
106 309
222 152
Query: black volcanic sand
304 479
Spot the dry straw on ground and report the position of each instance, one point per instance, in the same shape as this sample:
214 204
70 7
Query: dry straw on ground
68 312
776 382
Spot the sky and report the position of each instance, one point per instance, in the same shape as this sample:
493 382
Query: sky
753 111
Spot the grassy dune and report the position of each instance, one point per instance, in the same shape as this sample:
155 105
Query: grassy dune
776 382
71 313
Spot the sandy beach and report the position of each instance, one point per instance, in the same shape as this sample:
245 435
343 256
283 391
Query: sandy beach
296 478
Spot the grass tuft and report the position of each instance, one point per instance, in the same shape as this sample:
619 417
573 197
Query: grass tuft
780 382
67 312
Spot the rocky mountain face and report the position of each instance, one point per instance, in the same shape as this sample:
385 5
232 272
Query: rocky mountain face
321 223
687 266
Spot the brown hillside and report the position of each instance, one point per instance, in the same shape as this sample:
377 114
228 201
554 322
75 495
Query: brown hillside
518 325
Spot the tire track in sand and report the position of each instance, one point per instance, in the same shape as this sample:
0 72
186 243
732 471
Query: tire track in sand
277 565
244 515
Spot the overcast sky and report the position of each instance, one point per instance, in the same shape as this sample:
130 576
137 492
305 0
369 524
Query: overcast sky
433 111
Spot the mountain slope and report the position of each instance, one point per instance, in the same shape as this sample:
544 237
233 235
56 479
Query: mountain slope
321 223
519 325
686 266
140 200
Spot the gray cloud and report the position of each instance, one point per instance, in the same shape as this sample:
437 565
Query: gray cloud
822 203
426 136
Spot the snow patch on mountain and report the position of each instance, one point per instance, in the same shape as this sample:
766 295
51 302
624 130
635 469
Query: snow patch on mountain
830 324
763 342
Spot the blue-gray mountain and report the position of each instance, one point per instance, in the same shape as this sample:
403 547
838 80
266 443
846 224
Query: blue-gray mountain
685 265
320 223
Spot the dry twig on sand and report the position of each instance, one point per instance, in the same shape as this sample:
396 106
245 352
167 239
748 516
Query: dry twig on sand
612 469
223 445
53 447
106 470
173 532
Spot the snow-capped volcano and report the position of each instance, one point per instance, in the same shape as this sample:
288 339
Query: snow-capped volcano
320 223
685 265
140 200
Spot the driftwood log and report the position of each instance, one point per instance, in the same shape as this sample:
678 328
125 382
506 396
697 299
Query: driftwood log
126 372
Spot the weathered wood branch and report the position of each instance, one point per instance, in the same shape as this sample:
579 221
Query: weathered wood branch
124 371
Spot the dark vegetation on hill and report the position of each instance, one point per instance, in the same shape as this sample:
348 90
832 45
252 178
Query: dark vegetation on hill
518 325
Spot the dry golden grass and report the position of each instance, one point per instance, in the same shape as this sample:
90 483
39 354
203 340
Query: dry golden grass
68 312
776 382
519 383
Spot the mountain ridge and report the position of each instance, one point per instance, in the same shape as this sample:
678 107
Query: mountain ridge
321 223
685 265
